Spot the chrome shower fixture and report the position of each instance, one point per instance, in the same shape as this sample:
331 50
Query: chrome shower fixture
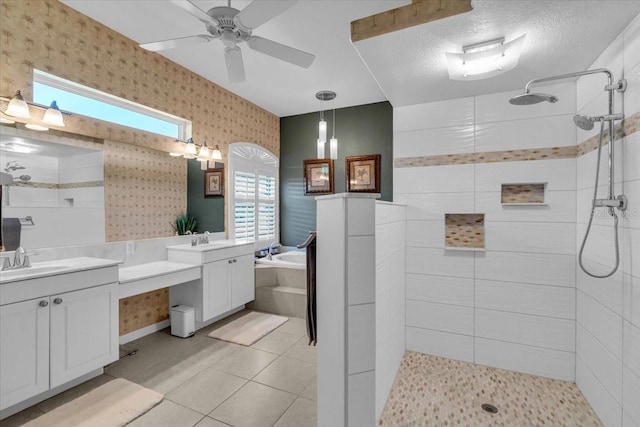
532 98
13 166
612 202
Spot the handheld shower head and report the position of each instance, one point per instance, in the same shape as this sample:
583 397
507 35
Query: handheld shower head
584 122
532 98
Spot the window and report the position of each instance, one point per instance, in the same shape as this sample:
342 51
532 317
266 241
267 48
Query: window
254 205
89 102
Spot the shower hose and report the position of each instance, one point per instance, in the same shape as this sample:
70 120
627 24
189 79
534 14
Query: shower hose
593 207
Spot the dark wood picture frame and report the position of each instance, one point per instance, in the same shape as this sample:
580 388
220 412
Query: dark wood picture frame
318 177
363 173
214 182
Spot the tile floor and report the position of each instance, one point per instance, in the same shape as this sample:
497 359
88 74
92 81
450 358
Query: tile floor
212 383
433 391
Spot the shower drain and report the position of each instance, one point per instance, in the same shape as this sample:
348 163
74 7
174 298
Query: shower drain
487 407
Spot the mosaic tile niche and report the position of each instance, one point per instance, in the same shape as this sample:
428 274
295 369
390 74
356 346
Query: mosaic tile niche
522 194
464 231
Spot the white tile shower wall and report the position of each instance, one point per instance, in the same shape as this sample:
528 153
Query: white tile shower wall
390 297
608 310
512 306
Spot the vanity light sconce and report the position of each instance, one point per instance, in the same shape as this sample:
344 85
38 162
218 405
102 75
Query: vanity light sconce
191 150
19 108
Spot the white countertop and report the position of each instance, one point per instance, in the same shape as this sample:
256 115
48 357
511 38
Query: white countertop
55 267
152 269
211 246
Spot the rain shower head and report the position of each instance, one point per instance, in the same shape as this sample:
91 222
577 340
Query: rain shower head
532 98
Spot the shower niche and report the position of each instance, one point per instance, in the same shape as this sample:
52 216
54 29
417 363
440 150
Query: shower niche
523 194
464 231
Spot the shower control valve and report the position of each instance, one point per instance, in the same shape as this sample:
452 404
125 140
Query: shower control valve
619 202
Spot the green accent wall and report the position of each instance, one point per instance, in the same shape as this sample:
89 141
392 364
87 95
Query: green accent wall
209 212
365 129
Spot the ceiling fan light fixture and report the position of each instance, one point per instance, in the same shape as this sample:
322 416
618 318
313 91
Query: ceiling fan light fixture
484 60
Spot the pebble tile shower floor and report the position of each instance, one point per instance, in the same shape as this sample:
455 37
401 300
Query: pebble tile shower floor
439 392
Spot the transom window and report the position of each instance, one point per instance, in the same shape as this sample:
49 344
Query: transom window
253 209
79 99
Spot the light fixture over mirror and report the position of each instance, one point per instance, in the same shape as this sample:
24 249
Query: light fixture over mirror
19 108
191 150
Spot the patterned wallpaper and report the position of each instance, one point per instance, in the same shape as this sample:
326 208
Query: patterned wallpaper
145 189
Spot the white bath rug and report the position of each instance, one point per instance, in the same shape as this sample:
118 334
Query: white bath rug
248 328
113 404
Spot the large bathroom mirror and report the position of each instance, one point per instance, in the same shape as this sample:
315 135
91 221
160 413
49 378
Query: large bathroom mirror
53 190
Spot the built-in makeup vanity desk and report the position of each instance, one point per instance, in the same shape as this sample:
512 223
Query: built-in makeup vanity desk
227 281
58 327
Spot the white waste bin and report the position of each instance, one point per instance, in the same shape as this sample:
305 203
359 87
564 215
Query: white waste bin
183 321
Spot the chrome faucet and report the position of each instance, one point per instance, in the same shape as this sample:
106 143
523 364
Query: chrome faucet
20 260
271 246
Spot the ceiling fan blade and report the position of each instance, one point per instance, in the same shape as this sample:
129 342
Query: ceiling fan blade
281 51
259 11
196 11
182 41
235 66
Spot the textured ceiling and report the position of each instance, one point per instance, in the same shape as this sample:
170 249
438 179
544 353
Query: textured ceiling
406 67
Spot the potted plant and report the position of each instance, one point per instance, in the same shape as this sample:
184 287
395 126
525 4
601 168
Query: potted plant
185 224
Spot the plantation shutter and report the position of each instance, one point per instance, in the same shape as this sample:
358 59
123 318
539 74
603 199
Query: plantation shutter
266 207
244 207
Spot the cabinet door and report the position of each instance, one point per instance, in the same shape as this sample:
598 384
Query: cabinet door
242 280
215 288
24 350
84 332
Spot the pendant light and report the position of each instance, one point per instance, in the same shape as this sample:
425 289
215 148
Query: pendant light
333 143
325 95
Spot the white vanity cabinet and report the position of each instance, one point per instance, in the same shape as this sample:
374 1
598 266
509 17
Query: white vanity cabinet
56 329
227 278
24 352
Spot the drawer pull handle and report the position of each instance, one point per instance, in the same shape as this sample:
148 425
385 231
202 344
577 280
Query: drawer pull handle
43 303
57 301
235 260
230 261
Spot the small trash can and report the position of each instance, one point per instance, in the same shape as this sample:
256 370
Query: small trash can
183 321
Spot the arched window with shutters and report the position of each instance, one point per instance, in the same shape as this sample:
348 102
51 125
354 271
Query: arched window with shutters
253 190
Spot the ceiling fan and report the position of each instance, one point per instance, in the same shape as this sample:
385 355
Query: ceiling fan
234 27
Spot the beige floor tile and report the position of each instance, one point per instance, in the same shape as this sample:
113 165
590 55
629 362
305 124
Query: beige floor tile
246 362
72 393
276 342
302 351
303 412
208 351
22 417
254 405
163 342
167 414
287 374
131 366
206 390
210 422
168 375
311 391
295 326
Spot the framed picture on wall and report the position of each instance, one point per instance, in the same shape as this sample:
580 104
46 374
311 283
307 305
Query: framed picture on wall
318 176
214 183
363 173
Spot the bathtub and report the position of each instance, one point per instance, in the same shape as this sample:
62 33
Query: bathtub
281 284
296 260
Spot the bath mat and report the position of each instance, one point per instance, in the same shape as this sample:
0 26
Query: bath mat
113 404
248 328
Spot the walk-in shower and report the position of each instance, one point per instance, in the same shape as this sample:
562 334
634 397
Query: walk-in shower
612 202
